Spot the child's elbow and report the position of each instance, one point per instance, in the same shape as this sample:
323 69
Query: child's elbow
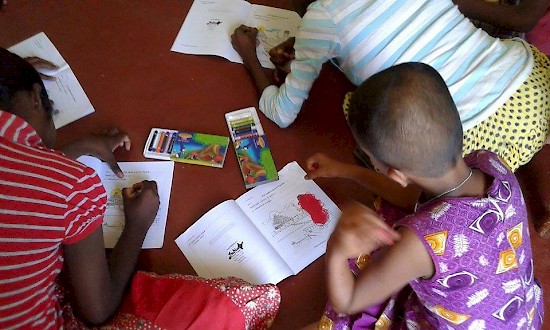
340 309
283 125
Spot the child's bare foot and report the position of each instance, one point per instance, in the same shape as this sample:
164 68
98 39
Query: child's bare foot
543 225
541 219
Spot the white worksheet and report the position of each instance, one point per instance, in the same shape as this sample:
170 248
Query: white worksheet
208 27
160 171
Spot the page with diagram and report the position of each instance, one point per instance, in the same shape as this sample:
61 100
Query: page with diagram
293 214
224 242
208 27
269 233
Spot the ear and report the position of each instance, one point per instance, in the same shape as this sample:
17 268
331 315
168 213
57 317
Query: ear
396 175
35 97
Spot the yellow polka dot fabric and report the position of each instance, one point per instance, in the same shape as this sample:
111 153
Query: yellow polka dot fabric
345 105
518 129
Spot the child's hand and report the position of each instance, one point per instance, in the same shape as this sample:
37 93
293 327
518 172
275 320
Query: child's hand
100 146
281 56
141 204
283 53
322 166
360 230
39 63
244 42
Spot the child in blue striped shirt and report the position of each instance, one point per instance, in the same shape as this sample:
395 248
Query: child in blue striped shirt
501 87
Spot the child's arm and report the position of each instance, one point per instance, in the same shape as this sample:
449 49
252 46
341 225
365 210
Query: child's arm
322 166
101 146
282 105
244 42
522 17
361 230
98 286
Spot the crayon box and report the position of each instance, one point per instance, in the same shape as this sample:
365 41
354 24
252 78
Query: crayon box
186 147
250 144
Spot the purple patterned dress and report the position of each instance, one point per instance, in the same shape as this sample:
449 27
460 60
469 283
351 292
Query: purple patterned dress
481 251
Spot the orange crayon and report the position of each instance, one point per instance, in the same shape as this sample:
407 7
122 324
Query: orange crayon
161 139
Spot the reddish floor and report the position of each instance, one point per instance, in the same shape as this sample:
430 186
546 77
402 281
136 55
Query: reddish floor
537 200
120 53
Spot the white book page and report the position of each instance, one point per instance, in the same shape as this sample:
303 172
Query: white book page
294 214
274 26
223 242
113 223
208 27
70 102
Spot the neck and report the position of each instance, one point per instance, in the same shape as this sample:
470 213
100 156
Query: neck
456 183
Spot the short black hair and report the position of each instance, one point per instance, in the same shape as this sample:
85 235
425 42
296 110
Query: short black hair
406 118
16 74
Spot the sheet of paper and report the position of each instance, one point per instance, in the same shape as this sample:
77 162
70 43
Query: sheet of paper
208 27
274 26
224 243
70 102
294 214
160 171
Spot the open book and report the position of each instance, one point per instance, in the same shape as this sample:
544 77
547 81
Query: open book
269 233
69 99
134 172
208 27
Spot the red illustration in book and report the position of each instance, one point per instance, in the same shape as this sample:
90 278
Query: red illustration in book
314 207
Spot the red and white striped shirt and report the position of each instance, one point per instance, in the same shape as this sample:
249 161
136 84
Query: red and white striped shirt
46 200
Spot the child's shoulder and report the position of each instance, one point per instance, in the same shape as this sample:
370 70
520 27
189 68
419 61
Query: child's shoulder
488 162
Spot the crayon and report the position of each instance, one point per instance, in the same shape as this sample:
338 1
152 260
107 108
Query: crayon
244 129
243 116
241 127
161 140
172 141
152 143
166 142
246 136
240 122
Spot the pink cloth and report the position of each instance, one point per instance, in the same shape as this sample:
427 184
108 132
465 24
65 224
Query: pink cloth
166 302
540 35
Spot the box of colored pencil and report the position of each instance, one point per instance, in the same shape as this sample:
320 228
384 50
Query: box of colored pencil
253 153
186 147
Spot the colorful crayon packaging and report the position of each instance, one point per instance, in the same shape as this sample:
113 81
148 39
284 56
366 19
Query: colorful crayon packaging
253 153
186 147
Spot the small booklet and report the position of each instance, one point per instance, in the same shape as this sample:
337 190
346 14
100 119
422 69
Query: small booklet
186 147
70 102
253 152
269 233
134 172
208 27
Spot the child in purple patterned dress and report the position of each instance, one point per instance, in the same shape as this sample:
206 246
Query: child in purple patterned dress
461 258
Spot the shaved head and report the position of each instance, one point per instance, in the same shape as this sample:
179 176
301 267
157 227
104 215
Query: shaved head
406 118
